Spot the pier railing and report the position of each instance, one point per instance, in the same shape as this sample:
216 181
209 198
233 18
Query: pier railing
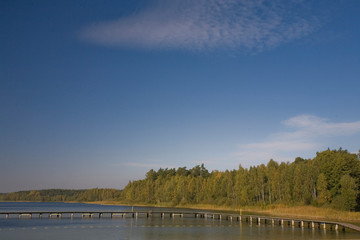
251 219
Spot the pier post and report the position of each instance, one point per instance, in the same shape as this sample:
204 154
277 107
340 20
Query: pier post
302 224
292 223
312 224
25 214
282 222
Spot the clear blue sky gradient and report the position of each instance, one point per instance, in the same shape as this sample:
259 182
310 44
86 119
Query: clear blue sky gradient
96 93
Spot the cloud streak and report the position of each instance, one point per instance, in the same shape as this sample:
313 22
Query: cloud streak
206 24
305 133
314 126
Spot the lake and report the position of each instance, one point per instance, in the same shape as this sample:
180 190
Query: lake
142 227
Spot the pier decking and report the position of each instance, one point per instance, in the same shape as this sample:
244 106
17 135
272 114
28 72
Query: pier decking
251 219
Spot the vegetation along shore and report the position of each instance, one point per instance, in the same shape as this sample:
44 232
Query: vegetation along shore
325 187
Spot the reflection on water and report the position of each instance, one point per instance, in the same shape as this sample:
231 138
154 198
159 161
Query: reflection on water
144 228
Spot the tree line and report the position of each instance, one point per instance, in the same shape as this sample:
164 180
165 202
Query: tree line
63 195
331 179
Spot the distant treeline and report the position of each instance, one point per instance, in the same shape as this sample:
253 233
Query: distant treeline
63 195
331 179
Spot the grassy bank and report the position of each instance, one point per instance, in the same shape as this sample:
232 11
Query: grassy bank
308 212
301 212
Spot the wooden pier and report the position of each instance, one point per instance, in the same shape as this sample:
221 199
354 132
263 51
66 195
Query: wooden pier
251 219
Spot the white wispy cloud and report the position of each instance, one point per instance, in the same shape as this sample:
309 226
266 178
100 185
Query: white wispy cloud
313 126
207 24
304 133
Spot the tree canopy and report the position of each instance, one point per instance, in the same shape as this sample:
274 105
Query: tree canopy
331 179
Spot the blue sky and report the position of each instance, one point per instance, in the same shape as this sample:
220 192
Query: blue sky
96 93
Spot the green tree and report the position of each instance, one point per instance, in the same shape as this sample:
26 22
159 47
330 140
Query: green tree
335 164
242 187
322 188
348 193
262 182
273 179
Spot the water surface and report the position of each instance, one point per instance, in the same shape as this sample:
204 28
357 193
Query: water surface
142 228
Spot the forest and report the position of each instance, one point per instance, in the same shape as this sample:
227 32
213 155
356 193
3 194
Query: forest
63 195
331 179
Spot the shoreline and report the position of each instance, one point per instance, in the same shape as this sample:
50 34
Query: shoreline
302 212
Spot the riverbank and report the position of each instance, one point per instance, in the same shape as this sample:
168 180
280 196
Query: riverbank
301 212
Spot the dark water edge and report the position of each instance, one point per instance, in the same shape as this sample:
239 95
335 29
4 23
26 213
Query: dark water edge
142 228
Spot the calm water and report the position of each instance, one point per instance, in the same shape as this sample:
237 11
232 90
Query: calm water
141 228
